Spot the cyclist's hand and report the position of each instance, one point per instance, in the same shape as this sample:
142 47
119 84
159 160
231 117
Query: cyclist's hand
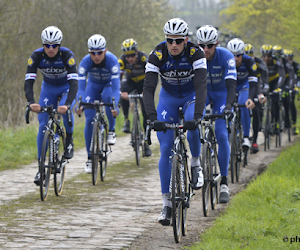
124 95
227 111
114 113
79 110
190 125
250 104
35 107
262 98
62 109
159 126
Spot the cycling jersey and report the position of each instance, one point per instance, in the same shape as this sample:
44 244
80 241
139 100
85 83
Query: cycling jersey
276 74
262 75
290 79
136 71
297 72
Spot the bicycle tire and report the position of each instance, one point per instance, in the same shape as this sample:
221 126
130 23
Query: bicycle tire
214 172
45 169
206 163
60 167
176 199
267 129
233 152
104 151
186 194
95 152
136 138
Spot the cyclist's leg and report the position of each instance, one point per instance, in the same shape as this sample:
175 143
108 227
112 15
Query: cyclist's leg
294 115
256 125
275 111
286 105
107 98
126 86
245 116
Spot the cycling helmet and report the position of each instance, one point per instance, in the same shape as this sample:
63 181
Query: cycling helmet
286 53
236 46
129 46
176 27
266 49
52 35
249 49
96 42
207 34
291 54
277 51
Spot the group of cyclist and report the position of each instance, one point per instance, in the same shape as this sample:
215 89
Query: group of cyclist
193 75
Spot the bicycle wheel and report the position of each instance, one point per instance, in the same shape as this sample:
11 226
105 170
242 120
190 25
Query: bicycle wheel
104 151
186 195
176 199
233 152
237 167
267 129
214 173
137 141
95 152
206 163
45 166
60 166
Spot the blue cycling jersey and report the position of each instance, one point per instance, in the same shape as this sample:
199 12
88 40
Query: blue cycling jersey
247 71
220 68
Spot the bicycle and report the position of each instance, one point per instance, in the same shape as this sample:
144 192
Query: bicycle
180 188
209 161
52 161
137 134
99 148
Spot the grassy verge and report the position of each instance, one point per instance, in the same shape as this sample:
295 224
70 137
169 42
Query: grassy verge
266 214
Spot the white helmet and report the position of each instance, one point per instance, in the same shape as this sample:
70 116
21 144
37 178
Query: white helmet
207 34
176 27
51 34
96 42
236 46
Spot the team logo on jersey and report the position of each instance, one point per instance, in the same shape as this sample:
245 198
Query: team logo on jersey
158 54
143 58
164 113
71 61
192 51
115 69
81 70
30 61
254 67
121 64
231 63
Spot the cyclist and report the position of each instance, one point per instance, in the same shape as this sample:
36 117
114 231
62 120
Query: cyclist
296 68
262 91
60 80
221 89
102 69
276 80
182 67
132 75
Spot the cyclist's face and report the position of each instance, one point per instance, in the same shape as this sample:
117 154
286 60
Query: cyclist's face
131 58
97 59
238 59
51 52
174 48
267 58
209 50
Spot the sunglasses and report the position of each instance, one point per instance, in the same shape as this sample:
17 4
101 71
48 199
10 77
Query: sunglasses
96 52
238 55
267 56
51 45
209 46
130 55
176 40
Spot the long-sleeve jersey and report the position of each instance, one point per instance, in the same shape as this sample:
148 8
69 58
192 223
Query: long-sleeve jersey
57 71
180 76
103 73
136 71
246 72
276 74
262 75
290 79
297 72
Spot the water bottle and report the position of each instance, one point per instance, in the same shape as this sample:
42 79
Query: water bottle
56 141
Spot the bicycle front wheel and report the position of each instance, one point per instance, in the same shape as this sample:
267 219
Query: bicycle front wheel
233 153
176 198
45 166
186 195
206 163
214 172
95 152
104 152
136 133
60 167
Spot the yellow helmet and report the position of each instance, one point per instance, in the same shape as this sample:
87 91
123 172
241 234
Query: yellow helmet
249 49
266 49
129 46
277 51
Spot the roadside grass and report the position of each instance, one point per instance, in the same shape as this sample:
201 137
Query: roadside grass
266 214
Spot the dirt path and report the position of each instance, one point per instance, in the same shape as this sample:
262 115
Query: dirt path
108 216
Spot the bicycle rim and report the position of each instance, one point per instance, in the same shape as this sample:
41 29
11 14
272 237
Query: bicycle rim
176 198
45 167
104 153
214 173
186 194
95 152
59 175
267 130
233 154
206 163
136 139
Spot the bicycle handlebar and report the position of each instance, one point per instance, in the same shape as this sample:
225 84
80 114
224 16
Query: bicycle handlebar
96 103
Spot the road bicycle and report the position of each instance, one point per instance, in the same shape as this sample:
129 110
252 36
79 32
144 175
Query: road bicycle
209 161
180 189
137 133
99 147
52 155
